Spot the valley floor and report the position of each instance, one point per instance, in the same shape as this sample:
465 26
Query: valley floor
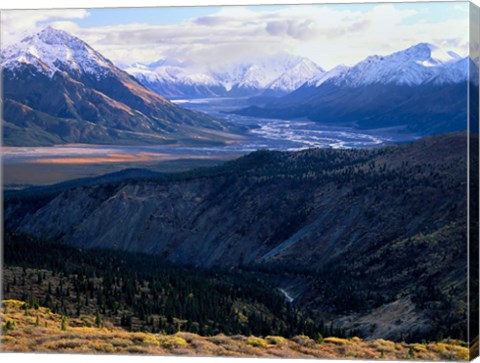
40 330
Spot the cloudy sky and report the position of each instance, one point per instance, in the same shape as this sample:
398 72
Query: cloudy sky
327 34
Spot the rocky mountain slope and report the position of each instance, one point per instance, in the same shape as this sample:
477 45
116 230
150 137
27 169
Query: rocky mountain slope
361 228
421 89
57 89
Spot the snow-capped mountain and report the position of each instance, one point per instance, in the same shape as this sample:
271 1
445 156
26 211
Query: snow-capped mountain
296 76
52 50
280 74
421 89
174 81
58 89
283 73
414 66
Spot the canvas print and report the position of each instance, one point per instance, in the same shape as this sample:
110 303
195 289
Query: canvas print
292 181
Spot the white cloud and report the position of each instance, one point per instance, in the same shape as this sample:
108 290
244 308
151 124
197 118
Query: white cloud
328 35
17 24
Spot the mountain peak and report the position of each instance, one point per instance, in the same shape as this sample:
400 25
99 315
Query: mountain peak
420 49
297 75
52 35
51 31
52 50
418 52
429 53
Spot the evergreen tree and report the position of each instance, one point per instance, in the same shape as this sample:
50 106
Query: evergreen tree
63 323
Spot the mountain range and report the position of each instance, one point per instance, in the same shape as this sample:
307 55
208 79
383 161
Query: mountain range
274 75
58 89
422 89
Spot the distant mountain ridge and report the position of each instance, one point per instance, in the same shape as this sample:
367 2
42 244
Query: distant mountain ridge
275 75
283 73
58 89
419 64
421 89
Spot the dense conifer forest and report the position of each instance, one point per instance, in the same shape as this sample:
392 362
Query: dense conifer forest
144 293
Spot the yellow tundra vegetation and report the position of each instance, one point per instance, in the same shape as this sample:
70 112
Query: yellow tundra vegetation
40 330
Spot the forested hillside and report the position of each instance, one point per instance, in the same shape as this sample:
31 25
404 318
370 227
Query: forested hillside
349 235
